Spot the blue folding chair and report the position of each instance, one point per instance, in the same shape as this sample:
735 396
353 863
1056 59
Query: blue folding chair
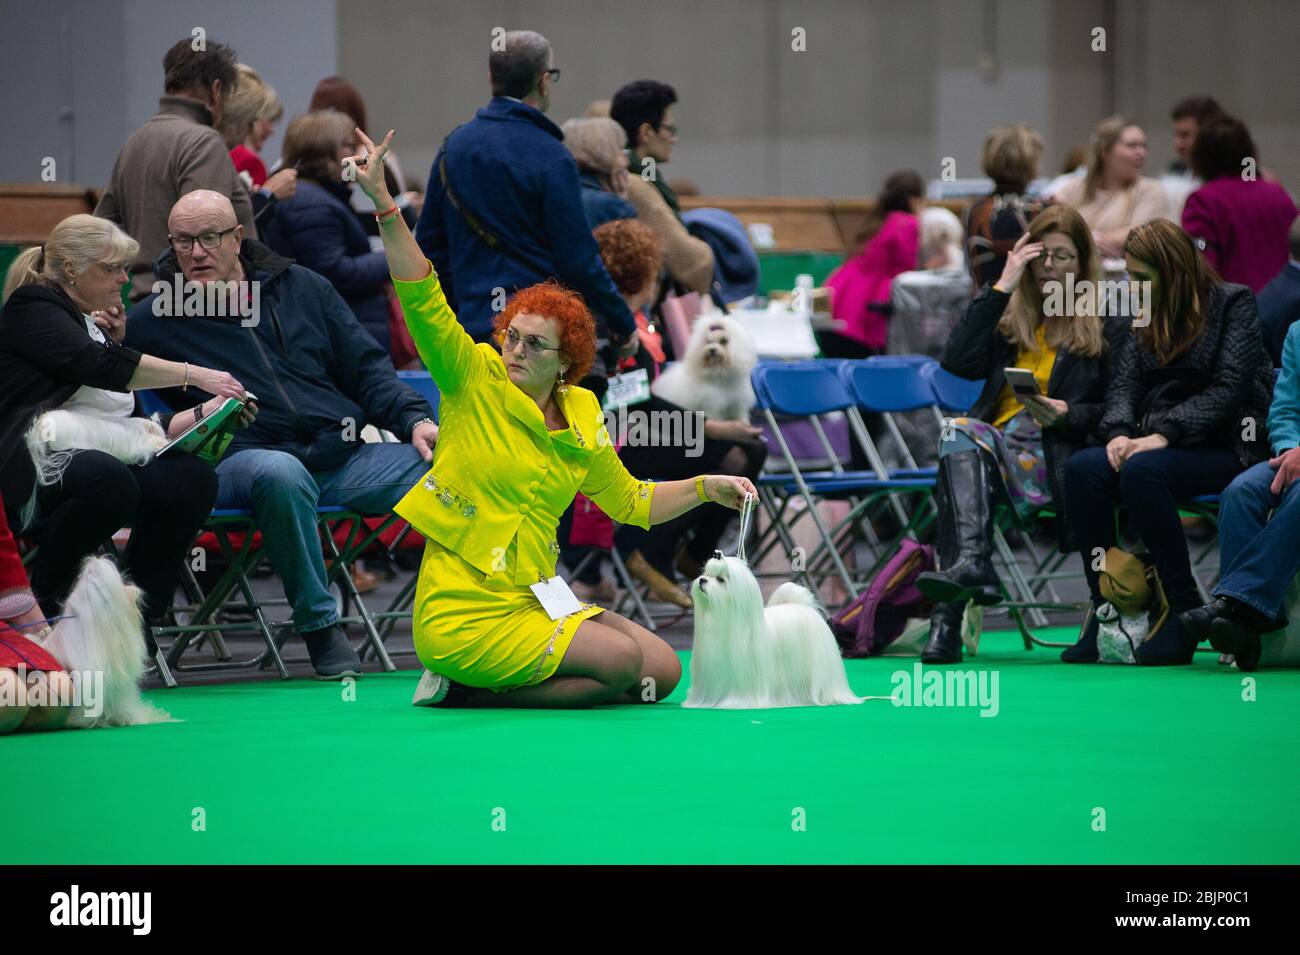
807 391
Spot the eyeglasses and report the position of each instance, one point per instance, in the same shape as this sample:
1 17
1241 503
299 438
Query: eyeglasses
209 240
669 128
112 268
553 73
1059 257
533 346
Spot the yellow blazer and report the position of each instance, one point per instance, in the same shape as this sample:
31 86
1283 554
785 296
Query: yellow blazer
498 474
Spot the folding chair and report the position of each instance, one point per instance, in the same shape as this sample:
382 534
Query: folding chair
808 391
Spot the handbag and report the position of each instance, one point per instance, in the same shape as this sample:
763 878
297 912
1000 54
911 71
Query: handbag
1173 386
1131 587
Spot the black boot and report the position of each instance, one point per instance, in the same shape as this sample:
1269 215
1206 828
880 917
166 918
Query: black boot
1231 627
966 571
1085 651
944 645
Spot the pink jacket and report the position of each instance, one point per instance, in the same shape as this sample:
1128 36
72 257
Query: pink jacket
867 276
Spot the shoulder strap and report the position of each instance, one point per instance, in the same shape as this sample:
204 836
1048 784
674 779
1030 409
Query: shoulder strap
490 239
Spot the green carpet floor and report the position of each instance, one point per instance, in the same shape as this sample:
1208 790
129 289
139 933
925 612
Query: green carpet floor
1185 770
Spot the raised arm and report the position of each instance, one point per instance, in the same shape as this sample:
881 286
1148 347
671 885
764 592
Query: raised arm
444 346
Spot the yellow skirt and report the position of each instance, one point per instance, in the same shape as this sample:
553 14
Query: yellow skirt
484 630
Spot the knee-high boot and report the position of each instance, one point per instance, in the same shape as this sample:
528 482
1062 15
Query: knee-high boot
966 571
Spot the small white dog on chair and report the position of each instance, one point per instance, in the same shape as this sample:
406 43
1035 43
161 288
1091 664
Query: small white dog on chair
748 657
713 375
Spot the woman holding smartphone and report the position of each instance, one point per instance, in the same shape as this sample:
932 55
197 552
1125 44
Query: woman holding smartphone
1014 444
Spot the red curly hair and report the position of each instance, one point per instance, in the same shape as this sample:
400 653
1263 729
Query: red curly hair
632 253
577 328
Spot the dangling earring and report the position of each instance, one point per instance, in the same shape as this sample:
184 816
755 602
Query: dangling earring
560 386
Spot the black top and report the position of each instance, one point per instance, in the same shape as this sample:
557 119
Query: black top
45 356
1209 395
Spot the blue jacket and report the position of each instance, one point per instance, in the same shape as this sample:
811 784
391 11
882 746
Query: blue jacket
1279 309
509 166
305 356
600 205
735 263
1284 412
318 230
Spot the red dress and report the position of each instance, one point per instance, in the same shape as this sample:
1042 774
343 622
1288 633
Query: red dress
17 651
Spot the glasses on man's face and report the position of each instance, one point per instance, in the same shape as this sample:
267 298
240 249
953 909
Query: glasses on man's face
553 73
1059 257
669 128
209 240
533 345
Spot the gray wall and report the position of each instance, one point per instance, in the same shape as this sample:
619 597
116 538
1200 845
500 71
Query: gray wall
80 75
882 85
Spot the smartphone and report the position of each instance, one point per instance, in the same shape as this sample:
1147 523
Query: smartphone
1022 382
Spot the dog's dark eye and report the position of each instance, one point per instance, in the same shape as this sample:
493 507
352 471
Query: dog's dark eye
722 341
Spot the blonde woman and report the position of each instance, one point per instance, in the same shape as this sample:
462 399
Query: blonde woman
251 112
1113 196
597 147
1037 316
60 329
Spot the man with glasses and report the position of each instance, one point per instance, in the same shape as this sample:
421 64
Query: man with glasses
504 203
320 379
175 152
644 109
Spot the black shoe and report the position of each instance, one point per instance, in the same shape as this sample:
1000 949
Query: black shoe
944 645
331 654
965 534
1085 650
1173 645
1231 627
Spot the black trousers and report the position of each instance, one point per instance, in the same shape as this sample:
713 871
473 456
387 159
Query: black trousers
165 502
1150 485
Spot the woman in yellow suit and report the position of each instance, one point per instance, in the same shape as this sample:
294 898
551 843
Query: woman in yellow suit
514 446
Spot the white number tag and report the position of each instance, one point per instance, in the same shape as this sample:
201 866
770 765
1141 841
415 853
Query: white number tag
556 597
629 388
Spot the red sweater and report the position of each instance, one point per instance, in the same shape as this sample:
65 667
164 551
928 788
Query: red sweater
1244 225
246 160
866 278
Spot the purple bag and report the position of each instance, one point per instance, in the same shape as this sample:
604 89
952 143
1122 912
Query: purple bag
877 617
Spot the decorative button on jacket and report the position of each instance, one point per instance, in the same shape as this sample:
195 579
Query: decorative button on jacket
485 489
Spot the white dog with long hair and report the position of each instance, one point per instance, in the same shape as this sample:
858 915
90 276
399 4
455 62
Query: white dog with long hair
713 375
101 632
748 657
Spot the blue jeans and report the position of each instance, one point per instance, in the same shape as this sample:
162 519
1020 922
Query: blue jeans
1258 556
284 495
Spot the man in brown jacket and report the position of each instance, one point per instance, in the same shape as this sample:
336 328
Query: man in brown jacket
177 151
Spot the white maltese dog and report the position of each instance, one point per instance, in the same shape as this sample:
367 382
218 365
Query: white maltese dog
747 657
713 376
101 633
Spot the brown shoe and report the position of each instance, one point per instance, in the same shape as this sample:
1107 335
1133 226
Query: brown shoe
660 586
363 579
602 593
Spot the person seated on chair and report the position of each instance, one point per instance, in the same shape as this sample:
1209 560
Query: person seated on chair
61 330
1009 445
1259 557
518 445
320 378
631 252
1185 414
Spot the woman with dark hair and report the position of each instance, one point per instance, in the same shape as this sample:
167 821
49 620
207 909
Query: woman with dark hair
1012 446
318 229
1185 413
1239 220
492 624
860 286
